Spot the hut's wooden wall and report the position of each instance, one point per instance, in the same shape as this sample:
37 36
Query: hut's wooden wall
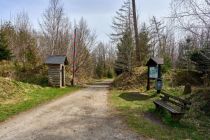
55 75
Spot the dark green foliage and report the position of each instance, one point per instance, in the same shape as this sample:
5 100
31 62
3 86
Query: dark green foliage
5 53
110 73
167 64
182 77
144 44
36 75
201 59
99 71
184 52
125 55
187 89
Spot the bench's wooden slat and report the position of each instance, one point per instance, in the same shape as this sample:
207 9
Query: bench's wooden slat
176 98
177 104
168 107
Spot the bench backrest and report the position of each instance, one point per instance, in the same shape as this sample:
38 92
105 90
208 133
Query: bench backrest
183 104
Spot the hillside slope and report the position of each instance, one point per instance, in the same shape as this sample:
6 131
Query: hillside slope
11 90
136 80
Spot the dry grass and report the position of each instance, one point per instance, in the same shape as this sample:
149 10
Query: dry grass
12 91
132 81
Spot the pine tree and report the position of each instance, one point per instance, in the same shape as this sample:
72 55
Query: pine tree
122 22
5 53
123 36
125 55
144 44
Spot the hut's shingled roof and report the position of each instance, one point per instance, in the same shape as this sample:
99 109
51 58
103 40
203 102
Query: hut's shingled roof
57 59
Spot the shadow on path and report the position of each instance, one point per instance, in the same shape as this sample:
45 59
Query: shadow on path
135 96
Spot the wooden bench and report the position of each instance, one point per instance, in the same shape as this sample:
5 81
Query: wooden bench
174 105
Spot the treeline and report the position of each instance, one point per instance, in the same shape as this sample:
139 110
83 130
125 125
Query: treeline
26 48
181 38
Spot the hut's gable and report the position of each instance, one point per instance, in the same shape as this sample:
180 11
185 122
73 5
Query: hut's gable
57 59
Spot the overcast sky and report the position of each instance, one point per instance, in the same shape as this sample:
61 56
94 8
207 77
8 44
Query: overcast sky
98 13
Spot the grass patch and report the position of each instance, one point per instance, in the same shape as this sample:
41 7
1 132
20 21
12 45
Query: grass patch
139 113
28 100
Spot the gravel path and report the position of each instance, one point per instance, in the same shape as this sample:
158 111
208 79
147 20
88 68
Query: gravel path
83 115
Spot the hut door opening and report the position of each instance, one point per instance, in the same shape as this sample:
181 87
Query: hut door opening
63 76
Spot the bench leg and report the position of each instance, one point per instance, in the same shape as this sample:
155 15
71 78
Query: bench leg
158 108
176 117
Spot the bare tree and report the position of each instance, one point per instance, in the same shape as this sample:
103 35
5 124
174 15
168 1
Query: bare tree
192 16
25 41
85 41
157 37
55 27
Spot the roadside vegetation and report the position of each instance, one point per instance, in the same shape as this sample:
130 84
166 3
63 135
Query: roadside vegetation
185 72
16 97
135 104
137 109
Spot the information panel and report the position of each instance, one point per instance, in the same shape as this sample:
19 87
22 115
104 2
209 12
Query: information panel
153 72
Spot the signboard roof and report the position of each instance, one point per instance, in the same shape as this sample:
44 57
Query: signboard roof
155 61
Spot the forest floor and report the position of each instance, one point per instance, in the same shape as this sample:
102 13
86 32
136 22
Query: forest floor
83 115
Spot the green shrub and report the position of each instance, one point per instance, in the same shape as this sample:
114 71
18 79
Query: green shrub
167 64
183 77
5 53
110 73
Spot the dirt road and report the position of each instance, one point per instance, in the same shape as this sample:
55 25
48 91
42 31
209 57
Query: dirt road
83 115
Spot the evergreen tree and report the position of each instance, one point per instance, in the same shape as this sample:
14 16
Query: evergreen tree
144 44
5 53
125 55
201 59
122 22
123 36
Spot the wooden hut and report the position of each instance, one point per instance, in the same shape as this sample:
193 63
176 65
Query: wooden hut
56 70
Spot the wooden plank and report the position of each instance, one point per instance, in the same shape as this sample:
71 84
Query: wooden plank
176 103
167 107
176 98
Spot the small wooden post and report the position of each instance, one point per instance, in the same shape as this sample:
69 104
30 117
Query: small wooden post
74 58
148 79
159 77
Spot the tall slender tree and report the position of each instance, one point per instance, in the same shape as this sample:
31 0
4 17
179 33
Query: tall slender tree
123 37
138 49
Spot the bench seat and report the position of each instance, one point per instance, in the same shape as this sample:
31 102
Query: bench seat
174 105
168 107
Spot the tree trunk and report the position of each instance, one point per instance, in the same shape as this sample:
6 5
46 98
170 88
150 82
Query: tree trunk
138 55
